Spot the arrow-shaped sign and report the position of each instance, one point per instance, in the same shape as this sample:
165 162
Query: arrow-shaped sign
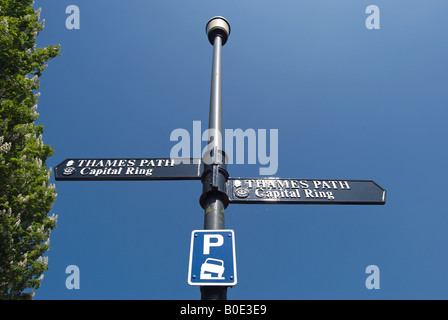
129 169
304 191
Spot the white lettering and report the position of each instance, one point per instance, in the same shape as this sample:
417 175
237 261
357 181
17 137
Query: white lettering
309 193
325 185
294 184
197 139
207 242
373 280
183 146
304 184
373 21
259 193
197 310
344 184
212 152
73 20
73 280
239 136
272 160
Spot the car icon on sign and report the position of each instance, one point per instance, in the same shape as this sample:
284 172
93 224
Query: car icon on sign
212 269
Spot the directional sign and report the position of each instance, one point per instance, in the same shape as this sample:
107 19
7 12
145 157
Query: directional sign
304 191
129 169
212 258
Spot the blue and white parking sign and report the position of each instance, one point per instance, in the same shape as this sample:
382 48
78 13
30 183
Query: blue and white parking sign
212 258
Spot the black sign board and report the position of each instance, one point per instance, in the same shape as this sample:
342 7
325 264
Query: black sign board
129 169
304 191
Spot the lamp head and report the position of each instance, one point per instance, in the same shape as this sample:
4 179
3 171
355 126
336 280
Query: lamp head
217 26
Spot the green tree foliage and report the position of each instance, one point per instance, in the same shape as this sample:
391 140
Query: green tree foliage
26 196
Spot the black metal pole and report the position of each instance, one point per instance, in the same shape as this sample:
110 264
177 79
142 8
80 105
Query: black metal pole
214 198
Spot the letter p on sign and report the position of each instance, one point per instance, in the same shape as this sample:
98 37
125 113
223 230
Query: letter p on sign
208 243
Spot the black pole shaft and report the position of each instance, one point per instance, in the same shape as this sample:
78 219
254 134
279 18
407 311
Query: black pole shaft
214 202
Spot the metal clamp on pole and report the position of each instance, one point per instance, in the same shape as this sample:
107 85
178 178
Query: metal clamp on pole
214 180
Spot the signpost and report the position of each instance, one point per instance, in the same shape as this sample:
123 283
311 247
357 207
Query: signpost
212 263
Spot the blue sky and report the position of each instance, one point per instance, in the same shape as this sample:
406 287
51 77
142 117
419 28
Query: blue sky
348 103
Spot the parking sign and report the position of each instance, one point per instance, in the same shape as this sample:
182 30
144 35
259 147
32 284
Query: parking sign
212 258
